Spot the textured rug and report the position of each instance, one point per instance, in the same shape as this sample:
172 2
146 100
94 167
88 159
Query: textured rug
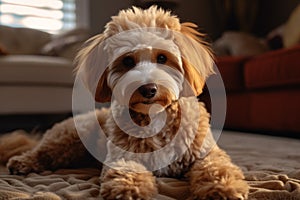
271 166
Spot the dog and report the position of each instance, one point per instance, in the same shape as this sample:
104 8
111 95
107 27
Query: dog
152 69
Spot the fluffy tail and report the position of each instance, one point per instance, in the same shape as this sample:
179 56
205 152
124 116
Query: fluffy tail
15 143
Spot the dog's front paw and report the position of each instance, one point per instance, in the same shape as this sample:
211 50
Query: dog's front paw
124 184
22 165
229 190
128 186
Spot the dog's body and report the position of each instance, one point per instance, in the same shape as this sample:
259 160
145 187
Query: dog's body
192 155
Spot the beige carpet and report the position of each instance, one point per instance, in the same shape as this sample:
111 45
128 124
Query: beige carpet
271 166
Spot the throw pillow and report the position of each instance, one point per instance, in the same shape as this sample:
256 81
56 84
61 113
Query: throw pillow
235 43
66 44
291 35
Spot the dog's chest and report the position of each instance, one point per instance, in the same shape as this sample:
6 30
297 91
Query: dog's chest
148 135
166 148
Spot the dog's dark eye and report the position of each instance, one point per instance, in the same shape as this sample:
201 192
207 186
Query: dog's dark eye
161 59
128 61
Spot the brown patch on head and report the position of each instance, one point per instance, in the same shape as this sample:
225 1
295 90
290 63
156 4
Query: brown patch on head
170 59
120 66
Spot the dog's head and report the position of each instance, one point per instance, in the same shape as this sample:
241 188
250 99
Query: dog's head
145 57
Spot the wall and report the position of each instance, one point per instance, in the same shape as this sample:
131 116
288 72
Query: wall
200 12
203 13
273 15
210 15
102 10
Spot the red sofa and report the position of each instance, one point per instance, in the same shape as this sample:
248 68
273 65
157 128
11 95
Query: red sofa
263 92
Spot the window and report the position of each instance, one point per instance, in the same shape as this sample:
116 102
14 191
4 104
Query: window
52 16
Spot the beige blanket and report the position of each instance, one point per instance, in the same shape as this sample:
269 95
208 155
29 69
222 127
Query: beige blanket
271 166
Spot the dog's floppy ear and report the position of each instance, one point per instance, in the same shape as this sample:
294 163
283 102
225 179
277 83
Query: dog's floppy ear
91 62
103 92
194 79
197 57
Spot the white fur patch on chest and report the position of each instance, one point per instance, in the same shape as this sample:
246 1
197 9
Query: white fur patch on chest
160 152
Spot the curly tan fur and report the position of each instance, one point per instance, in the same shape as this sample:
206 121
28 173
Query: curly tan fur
15 143
216 177
122 183
210 172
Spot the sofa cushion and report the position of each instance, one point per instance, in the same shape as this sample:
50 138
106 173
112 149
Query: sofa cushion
273 69
268 110
23 40
39 99
35 70
231 69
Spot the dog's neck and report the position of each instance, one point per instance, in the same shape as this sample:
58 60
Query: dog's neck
138 125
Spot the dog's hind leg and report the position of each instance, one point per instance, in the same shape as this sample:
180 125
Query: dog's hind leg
16 143
60 147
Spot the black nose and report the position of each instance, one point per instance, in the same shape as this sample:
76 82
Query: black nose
148 90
